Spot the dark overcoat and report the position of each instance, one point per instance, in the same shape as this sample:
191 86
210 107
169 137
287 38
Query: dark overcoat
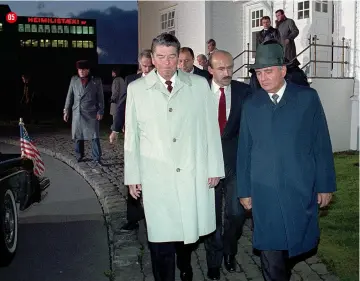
86 103
284 160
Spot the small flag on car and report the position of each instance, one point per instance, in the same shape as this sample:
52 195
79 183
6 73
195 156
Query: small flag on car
29 150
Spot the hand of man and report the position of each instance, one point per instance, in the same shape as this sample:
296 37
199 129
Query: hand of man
213 182
113 137
287 41
99 117
66 117
246 203
135 190
324 199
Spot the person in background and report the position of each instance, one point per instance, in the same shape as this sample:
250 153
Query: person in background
211 46
202 61
288 32
134 211
85 99
186 63
28 100
285 165
268 33
173 157
118 88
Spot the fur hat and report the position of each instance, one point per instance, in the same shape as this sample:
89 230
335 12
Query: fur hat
82 64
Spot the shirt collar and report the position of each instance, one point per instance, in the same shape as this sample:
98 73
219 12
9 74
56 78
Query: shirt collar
280 92
192 71
173 78
216 87
143 74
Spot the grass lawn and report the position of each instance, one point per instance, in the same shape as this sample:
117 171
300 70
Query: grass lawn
339 246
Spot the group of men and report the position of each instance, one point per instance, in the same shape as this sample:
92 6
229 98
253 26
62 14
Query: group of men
195 138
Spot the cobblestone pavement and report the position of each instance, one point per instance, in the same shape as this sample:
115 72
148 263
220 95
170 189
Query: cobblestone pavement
129 255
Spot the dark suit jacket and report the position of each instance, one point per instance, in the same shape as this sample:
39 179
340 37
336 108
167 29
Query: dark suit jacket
202 73
230 136
265 35
119 120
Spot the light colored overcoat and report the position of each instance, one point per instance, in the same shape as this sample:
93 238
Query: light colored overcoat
86 103
172 147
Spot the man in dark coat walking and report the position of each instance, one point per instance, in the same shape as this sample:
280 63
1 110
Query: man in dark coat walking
229 96
86 100
285 165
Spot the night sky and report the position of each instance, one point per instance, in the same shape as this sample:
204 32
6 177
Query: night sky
117 24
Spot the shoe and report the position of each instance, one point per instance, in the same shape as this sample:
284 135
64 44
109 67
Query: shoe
213 273
80 159
186 275
129 226
230 263
98 162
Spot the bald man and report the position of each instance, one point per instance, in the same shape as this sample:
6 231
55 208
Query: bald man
229 96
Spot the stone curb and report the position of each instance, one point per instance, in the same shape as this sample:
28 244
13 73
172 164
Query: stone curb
112 202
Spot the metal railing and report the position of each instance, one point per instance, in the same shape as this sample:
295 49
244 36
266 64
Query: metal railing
312 48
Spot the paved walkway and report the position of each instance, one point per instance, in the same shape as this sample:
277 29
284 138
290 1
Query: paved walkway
130 257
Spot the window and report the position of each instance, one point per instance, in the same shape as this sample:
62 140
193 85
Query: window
35 43
47 28
60 29
79 29
61 43
47 43
21 27
91 44
27 28
73 44
79 44
54 44
256 26
85 44
66 44
256 18
42 43
41 28
303 10
22 43
167 20
33 28
53 29
72 29
66 29
85 30
321 6
91 30
28 43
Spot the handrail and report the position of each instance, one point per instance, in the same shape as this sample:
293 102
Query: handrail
312 61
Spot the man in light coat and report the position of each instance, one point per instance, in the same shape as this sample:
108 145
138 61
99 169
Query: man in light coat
285 165
173 156
85 99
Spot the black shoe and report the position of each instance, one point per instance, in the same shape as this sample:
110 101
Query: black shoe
213 273
80 159
129 226
186 275
230 263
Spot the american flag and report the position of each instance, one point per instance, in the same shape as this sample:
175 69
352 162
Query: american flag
29 150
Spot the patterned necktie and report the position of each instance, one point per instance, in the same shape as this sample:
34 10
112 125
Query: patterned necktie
169 87
275 98
222 111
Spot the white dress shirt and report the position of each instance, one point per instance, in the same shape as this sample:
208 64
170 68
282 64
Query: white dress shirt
280 93
173 79
227 90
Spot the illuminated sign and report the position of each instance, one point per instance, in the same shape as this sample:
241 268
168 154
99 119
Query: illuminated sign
56 21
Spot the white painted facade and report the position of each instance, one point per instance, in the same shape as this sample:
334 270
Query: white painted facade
233 24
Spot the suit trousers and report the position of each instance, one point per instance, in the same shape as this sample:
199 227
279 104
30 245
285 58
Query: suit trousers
134 210
95 147
163 259
224 241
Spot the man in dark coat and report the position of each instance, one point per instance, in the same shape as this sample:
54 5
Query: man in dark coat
186 63
118 88
288 32
134 211
86 100
229 96
268 33
285 165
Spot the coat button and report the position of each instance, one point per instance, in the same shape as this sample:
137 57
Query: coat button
170 109
174 140
177 170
